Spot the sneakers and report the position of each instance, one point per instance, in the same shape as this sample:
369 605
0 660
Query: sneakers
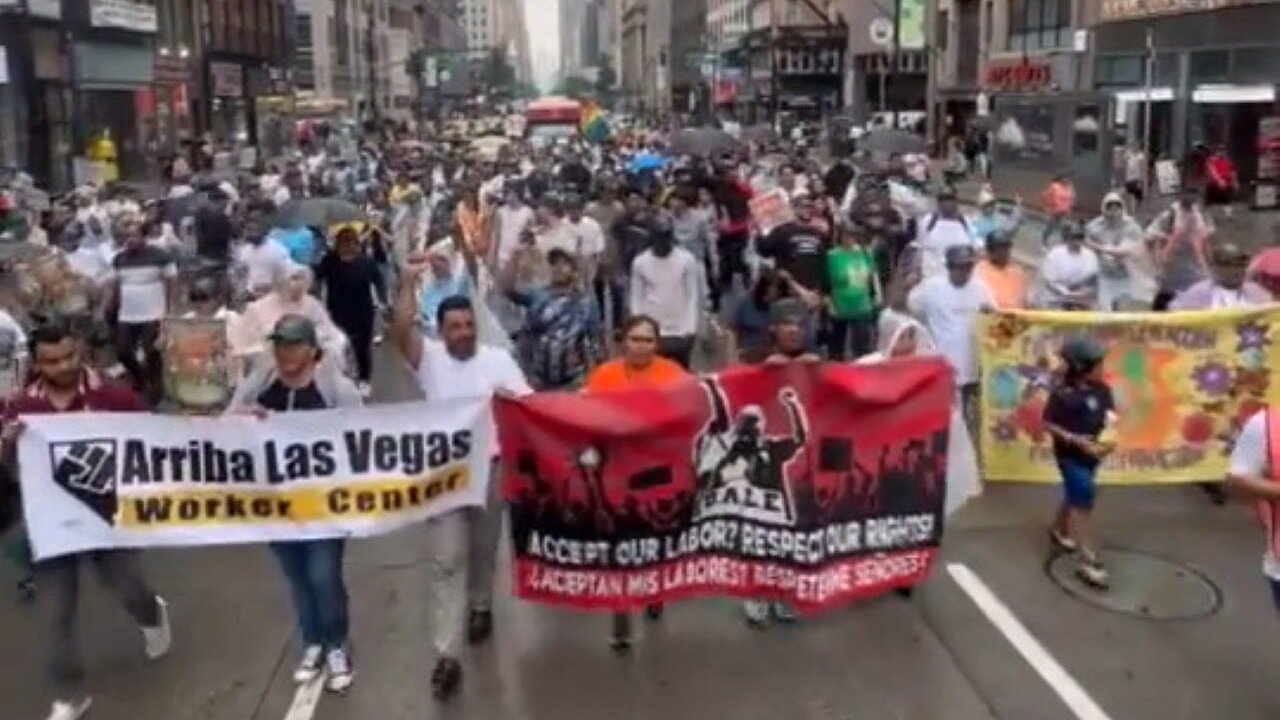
159 639
783 613
757 612
1093 573
1062 542
365 389
309 667
70 709
446 678
341 674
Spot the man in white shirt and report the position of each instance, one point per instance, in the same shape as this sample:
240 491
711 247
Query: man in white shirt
262 258
142 279
588 238
1071 272
940 231
513 217
948 305
463 544
665 286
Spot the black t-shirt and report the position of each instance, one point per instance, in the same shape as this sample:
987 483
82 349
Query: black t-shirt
632 233
800 250
1080 409
213 234
279 397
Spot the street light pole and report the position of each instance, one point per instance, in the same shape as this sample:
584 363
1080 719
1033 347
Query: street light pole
1149 80
895 59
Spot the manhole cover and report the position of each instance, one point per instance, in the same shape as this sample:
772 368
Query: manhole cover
1143 585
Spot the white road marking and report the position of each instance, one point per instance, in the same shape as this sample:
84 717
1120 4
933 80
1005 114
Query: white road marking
306 700
1072 693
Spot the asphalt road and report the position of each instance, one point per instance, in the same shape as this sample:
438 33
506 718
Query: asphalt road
935 656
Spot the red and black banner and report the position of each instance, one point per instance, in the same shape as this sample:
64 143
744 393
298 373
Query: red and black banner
804 483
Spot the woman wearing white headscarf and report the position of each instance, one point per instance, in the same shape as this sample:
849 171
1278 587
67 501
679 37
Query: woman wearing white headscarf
903 336
290 297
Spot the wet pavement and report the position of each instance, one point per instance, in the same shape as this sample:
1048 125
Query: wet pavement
937 655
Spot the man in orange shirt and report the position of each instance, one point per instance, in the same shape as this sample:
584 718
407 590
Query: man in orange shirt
1057 201
1002 276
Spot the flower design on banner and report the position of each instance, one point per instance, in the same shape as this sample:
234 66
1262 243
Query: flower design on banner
1197 429
1252 359
1251 336
1005 387
1252 382
1213 378
1005 329
1004 430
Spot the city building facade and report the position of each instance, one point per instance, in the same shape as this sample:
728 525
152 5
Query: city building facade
1211 83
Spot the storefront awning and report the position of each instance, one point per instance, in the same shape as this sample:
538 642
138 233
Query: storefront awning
1227 94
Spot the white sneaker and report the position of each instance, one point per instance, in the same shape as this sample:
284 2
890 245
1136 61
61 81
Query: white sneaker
365 389
309 667
70 709
159 638
341 674
757 612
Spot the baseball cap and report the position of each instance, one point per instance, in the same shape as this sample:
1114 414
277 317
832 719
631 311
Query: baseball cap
1082 350
786 310
295 328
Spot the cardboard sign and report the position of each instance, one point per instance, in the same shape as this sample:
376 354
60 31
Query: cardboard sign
771 209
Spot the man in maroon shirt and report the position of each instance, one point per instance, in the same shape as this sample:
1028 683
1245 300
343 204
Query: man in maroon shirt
63 383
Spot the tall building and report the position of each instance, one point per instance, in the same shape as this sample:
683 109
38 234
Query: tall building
608 29
513 35
727 21
574 31
479 21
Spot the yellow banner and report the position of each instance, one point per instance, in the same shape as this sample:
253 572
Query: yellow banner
1183 383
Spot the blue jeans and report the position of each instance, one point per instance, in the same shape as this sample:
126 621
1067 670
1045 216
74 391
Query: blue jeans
314 571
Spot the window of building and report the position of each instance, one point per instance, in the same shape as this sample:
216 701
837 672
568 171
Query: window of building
943 29
1209 66
1039 24
1119 71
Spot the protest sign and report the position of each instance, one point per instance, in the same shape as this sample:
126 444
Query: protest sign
93 480
1183 383
806 483
770 209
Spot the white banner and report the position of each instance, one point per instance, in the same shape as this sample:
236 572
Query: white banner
92 480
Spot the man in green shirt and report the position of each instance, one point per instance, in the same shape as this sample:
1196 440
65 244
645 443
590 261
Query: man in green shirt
852 292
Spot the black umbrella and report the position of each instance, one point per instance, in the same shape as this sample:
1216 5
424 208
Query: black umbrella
318 212
702 141
758 134
889 141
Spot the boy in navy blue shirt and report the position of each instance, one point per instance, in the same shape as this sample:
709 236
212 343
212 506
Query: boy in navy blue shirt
1076 415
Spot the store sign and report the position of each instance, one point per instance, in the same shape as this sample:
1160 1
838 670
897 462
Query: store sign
172 70
1020 76
123 14
226 79
1132 9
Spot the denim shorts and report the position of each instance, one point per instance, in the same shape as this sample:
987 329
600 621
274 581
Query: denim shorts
1079 486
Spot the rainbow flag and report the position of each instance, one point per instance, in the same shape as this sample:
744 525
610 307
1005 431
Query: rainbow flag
593 126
